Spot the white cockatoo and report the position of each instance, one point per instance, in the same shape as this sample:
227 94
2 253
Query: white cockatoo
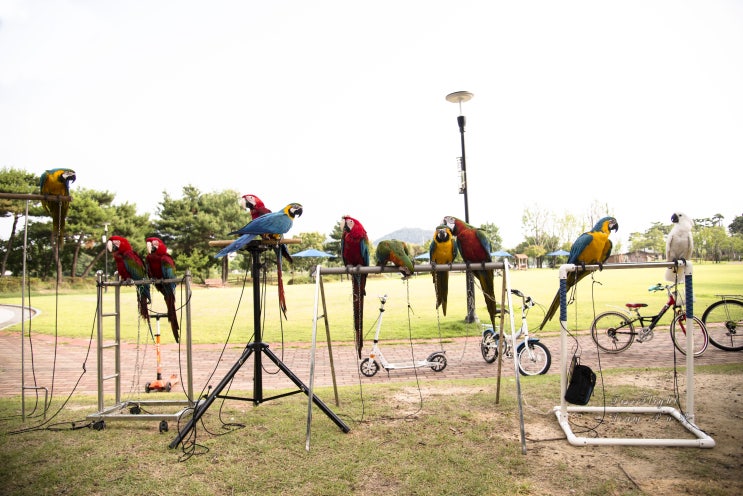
680 243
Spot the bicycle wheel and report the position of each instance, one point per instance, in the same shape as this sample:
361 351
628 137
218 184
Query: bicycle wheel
724 321
678 334
489 345
534 359
613 332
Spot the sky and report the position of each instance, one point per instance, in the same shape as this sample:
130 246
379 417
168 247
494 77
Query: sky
340 105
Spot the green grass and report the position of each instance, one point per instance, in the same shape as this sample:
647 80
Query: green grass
410 310
451 438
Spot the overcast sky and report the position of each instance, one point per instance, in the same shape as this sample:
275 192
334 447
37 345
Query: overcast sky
340 105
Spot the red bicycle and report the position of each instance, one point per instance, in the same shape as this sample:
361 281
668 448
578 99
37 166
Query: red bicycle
614 331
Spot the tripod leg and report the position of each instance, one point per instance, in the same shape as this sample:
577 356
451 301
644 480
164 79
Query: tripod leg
317 401
202 408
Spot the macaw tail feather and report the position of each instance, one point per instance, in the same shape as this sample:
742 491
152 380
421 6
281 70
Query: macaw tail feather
359 291
441 284
280 282
172 315
143 300
571 281
488 290
236 245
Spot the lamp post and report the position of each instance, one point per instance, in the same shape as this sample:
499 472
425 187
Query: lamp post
459 97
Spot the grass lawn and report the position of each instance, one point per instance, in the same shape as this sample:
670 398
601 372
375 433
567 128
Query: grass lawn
410 309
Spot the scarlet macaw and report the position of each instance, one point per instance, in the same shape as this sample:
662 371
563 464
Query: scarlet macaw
131 267
160 265
680 242
442 251
590 248
271 223
57 182
474 247
355 251
258 208
396 252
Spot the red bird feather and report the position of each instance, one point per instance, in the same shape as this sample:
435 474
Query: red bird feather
130 266
257 208
355 251
160 265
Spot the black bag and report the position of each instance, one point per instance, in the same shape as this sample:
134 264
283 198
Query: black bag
582 381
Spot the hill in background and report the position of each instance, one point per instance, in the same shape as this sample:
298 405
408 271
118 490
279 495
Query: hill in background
411 235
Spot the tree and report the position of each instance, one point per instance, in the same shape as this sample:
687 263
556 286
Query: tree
85 224
736 227
654 239
188 224
491 230
14 181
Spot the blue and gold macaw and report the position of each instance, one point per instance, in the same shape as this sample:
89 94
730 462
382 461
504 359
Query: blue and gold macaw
57 182
474 247
355 250
160 265
442 250
130 266
590 248
273 223
397 253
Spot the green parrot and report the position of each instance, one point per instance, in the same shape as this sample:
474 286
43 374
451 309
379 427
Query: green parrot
396 252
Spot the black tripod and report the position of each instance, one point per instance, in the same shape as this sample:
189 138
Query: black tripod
256 348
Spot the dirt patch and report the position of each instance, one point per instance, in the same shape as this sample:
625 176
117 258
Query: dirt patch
647 469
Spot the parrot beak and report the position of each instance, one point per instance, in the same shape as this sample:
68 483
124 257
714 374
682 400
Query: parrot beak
675 218
614 225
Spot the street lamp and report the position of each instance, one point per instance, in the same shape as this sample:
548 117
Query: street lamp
459 97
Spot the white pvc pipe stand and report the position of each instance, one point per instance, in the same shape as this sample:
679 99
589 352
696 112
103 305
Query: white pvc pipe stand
562 410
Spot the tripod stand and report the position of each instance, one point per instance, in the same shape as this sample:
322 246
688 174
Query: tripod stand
257 348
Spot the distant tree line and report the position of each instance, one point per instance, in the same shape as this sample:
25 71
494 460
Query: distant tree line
187 225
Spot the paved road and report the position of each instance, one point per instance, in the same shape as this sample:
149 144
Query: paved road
76 363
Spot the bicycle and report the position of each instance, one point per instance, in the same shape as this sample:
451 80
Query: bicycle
723 320
614 331
533 357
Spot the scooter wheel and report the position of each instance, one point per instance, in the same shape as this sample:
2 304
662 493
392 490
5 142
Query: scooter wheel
369 367
439 359
163 426
167 387
147 388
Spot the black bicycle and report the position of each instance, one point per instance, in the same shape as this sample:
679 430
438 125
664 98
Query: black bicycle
723 321
614 331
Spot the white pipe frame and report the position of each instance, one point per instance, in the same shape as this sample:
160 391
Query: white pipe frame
562 411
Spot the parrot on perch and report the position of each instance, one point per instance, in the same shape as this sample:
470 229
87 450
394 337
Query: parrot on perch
160 265
590 248
680 242
272 223
474 247
442 250
57 182
131 267
395 252
355 250
257 208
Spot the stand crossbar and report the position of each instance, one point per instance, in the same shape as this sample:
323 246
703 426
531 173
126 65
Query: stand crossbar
256 349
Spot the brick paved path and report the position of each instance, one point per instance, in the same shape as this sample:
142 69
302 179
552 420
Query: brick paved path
210 364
